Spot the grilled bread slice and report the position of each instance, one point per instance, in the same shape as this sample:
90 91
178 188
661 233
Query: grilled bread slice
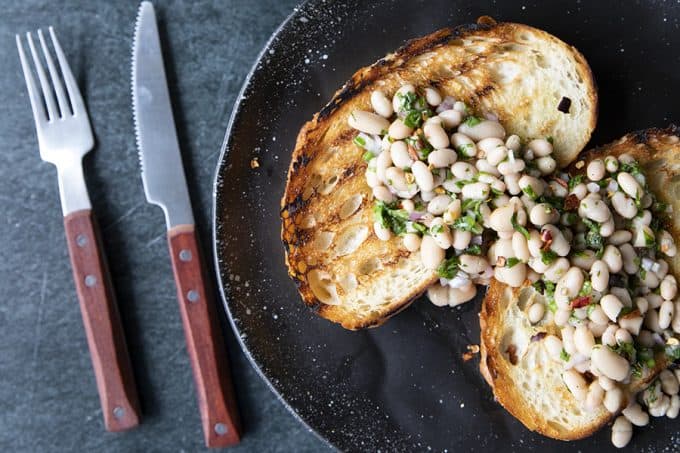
514 361
536 85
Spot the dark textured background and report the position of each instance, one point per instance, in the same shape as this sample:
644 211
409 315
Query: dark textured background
48 398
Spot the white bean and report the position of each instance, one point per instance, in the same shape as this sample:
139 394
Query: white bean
476 191
675 324
433 97
642 304
612 256
584 340
624 205
463 170
519 246
501 218
556 270
598 316
641 234
484 166
399 154
451 118
583 259
423 176
411 242
568 286
483 129
666 243
620 237
580 190
532 187
610 363
444 157
536 312
461 295
513 276
397 99
595 396
611 163
546 165
623 336
381 104
438 295
611 305
636 415
508 167
654 300
631 322
513 142
562 316
669 287
613 399
669 383
554 346
396 178
629 185
629 259
398 130
461 239
594 208
383 233
559 244
382 193
659 409
595 170
431 254
673 407
496 155
622 432
463 144
543 213
666 314
576 384
599 275
435 134
372 178
367 122
472 264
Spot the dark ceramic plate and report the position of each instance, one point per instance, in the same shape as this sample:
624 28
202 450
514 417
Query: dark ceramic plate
403 386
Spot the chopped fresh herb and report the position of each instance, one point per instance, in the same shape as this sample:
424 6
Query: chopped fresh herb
643 274
359 141
472 121
529 191
449 268
512 261
590 309
649 238
550 139
518 227
468 222
368 156
390 216
552 305
471 205
633 168
419 227
593 238
626 350
496 192
436 229
538 286
548 256
466 150
564 355
575 181
586 289
673 352
413 109
474 249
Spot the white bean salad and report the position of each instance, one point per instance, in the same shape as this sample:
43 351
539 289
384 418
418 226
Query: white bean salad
478 204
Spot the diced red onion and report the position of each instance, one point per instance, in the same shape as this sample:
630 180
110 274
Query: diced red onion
415 215
476 240
491 116
447 104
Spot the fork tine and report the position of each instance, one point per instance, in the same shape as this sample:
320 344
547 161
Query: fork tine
56 80
71 85
46 88
33 94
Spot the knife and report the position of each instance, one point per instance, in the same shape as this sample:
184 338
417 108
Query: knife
165 185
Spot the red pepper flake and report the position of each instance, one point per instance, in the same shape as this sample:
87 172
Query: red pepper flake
571 202
546 237
581 302
412 152
561 182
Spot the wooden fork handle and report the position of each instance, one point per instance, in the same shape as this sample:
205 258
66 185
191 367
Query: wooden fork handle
216 400
108 351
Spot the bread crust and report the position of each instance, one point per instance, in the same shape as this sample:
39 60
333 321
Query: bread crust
658 151
328 130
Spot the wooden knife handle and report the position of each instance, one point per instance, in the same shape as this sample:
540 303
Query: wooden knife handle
216 400
105 338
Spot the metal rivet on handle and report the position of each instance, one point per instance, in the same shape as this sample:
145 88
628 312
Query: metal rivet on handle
185 255
118 412
90 280
221 429
81 240
192 295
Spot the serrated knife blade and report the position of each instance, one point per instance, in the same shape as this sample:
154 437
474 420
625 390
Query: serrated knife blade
159 154
165 185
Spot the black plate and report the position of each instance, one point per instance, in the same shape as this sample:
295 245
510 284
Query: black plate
403 386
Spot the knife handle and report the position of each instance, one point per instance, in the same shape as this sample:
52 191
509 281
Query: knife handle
105 338
216 400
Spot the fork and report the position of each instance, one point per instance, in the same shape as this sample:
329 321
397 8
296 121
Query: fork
64 137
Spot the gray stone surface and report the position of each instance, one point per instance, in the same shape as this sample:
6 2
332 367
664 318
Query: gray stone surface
48 399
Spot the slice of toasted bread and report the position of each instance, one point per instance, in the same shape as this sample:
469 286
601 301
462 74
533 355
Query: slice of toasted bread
524 379
516 72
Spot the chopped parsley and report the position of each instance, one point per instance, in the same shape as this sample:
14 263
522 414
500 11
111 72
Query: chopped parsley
548 256
466 150
512 261
564 355
575 181
359 141
649 239
550 139
368 156
472 121
633 168
518 227
474 249
673 352
593 238
436 229
449 268
390 216
529 191
468 222
586 289
413 109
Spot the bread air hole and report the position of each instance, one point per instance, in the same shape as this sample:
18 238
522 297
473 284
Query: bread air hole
322 287
350 239
328 186
368 266
350 206
348 282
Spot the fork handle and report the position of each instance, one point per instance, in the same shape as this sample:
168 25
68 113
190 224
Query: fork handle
205 344
108 351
